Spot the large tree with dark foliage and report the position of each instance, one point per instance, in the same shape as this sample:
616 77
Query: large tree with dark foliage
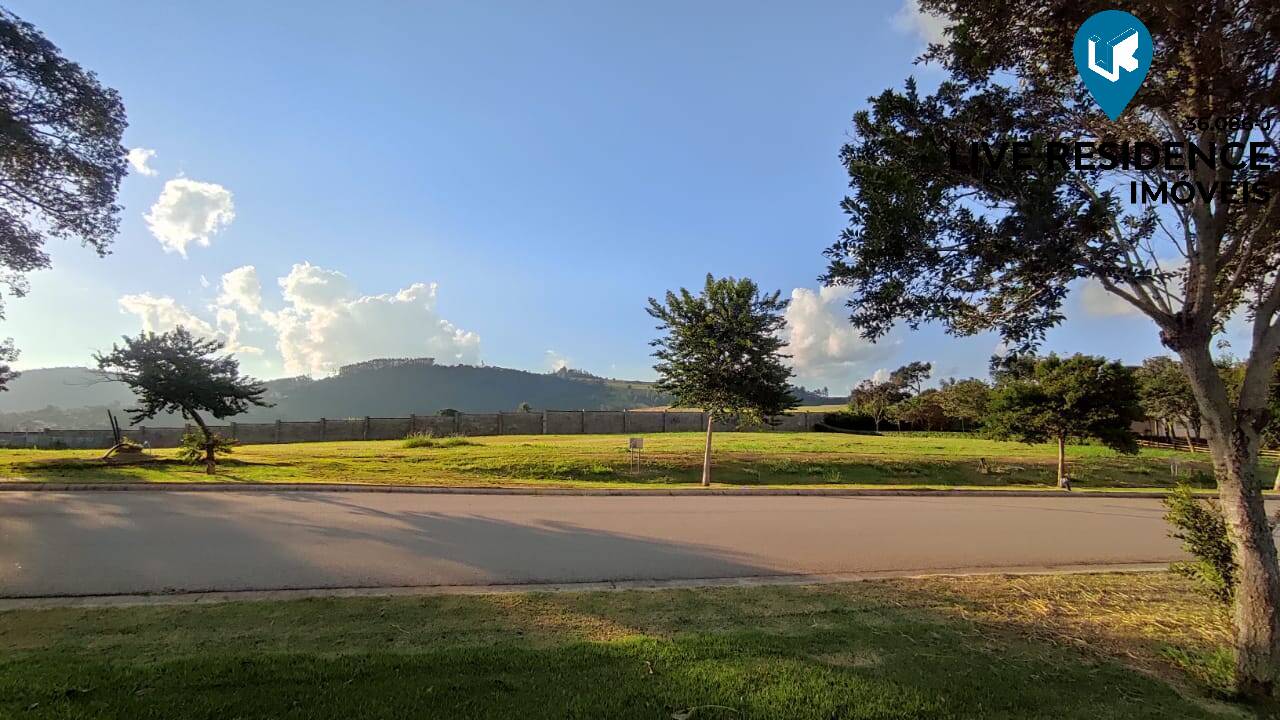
177 372
61 160
976 246
721 352
1060 400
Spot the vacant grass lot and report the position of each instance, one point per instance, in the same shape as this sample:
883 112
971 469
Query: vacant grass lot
1085 646
671 459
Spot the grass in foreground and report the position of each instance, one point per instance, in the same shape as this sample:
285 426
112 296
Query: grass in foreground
1085 646
670 459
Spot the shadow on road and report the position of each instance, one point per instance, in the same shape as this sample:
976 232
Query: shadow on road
123 543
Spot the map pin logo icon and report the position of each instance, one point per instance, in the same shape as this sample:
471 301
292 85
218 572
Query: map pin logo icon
1112 50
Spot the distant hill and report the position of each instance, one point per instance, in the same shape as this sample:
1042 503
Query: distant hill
77 398
64 387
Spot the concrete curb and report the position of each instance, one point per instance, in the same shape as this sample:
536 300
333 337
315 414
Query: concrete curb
224 596
517 490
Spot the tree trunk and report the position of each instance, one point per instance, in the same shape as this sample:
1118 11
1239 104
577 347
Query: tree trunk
1233 447
1191 444
1063 482
209 462
706 454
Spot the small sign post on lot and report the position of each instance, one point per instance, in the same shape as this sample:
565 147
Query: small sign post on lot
635 446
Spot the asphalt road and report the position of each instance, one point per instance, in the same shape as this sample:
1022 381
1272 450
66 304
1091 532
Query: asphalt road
98 543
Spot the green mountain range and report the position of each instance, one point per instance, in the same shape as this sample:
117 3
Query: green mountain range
77 397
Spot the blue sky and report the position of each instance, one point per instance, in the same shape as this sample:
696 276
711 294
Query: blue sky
539 168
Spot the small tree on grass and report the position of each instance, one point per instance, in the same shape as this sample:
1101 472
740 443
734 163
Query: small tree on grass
1050 398
722 353
176 372
875 399
1166 394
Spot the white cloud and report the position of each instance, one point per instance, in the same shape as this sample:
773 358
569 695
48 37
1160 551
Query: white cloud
556 361
242 289
327 325
161 314
139 159
1096 301
309 288
229 332
911 19
825 349
189 211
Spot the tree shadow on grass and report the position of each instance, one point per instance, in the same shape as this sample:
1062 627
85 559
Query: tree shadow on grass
775 653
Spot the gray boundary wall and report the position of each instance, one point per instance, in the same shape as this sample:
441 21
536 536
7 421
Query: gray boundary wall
548 422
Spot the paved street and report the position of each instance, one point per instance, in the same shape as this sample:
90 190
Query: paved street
144 542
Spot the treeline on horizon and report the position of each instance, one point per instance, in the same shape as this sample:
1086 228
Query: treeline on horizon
1155 391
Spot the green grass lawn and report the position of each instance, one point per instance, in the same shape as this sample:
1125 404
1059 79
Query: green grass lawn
670 459
1085 646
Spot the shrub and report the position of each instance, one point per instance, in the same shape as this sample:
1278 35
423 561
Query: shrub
193 447
847 421
427 440
1200 526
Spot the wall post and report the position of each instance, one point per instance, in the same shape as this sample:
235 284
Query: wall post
413 423
323 426
278 428
233 431
364 431
499 422
664 421
624 421
584 421
544 422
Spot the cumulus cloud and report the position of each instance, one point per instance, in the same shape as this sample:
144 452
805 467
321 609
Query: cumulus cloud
825 349
327 324
139 159
911 19
324 324
242 289
161 314
309 288
189 211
